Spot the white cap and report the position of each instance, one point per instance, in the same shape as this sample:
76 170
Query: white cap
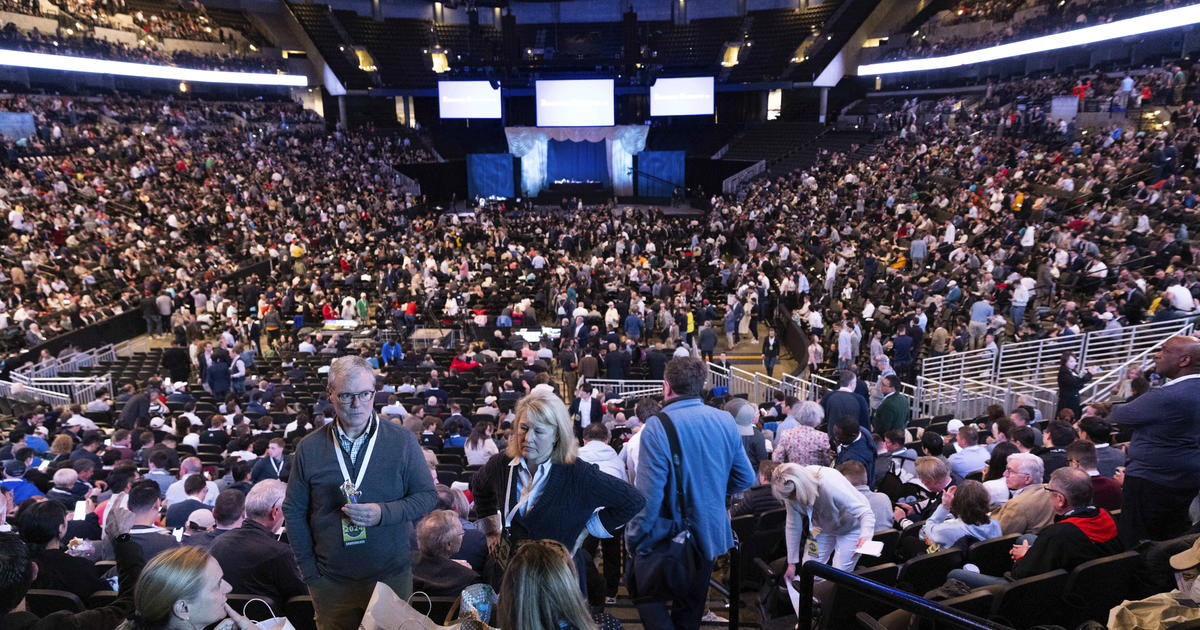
954 425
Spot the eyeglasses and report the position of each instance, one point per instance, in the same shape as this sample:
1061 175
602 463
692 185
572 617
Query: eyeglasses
1053 491
347 397
1009 472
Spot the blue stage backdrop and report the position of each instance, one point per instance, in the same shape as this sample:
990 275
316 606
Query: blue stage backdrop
577 162
663 165
490 174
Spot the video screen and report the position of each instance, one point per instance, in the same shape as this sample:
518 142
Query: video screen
575 103
468 99
691 96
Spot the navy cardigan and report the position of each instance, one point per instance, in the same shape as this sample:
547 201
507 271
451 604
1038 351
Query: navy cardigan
571 494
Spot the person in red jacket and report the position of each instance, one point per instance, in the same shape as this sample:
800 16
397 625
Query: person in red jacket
1083 532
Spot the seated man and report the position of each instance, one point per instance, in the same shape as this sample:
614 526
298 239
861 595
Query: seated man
227 513
64 483
253 560
759 499
1028 508
144 502
1084 533
17 571
881 505
43 526
1106 491
971 456
195 489
439 535
923 495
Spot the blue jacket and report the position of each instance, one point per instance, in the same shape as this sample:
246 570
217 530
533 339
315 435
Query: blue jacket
1165 423
391 353
714 467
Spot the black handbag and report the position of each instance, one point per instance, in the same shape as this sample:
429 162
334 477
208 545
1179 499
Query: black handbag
666 570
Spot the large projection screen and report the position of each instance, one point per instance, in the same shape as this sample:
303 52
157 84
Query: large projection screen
468 99
691 96
575 103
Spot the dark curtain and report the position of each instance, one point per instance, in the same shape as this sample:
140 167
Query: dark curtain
577 162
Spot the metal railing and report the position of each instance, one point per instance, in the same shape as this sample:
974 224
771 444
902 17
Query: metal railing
70 363
20 391
968 398
944 616
82 389
627 388
1032 366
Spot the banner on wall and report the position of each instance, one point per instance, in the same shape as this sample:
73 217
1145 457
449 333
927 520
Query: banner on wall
490 175
17 126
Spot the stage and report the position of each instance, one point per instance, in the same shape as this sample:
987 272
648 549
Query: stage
638 205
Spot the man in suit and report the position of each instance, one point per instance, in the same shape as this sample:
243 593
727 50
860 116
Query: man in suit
770 352
707 342
273 466
656 361
1028 509
893 411
585 409
616 363
1161 479
723 362
1134 298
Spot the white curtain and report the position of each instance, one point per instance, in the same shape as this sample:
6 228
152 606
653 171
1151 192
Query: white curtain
621 143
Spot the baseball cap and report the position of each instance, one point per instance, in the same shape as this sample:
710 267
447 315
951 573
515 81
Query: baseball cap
954 425
743 414
201 519
14 468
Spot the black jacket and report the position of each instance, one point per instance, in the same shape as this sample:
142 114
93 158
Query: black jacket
255 562
129 566
1085 534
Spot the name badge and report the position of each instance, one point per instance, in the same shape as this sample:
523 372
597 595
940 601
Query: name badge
353 534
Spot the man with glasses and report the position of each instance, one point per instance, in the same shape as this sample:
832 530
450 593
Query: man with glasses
1083 532
1028 508
355 487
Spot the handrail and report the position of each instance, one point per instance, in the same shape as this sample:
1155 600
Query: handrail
945 616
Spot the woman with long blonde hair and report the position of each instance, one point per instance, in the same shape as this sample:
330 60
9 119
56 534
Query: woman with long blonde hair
538 489
183 589
839 518
540 591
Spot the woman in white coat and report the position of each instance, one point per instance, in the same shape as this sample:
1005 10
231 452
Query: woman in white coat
840 519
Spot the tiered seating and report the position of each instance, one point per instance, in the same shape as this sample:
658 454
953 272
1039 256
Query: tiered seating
398 46
771 141
587 41
317 20
834 141
457 40
695 45
238 21
775 34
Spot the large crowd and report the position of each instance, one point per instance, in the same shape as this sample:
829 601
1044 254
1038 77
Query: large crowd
965 229
1053 17
76 36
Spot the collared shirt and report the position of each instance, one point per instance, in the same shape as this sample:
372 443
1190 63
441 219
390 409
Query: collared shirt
1180 379
354 446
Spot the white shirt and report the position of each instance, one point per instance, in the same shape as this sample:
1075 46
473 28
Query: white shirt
175 492
839 510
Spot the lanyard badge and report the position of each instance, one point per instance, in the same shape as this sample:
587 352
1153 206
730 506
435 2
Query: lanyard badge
354 534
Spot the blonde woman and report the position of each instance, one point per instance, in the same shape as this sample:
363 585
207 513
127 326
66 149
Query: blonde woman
539 591
840 519
538 489
183 589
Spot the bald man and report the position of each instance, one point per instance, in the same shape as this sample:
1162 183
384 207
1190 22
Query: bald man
1163 472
